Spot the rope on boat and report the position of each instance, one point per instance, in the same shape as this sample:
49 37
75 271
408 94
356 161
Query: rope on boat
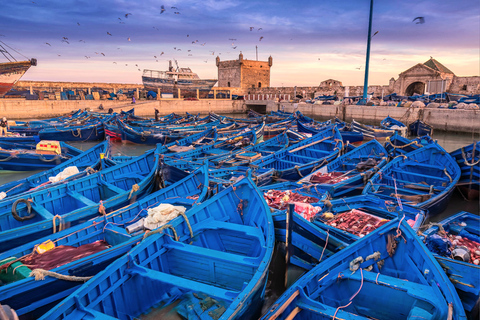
60 223
10 157
188 224
466 161
355 264
135 188
101 208
446 173
78 134
406 145
40 274
351 298
298 171
325 246
375 256
45 160
160 230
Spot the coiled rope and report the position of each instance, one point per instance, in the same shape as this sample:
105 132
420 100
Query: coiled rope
40 274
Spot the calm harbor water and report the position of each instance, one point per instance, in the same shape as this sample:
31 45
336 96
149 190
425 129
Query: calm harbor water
449 141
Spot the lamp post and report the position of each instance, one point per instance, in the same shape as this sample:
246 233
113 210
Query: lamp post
369 38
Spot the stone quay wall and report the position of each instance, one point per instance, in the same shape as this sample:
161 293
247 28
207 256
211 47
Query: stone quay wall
17 109
450 120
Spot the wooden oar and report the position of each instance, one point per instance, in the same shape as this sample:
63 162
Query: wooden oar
310 144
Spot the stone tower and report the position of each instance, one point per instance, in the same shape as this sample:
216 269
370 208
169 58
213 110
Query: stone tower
244 73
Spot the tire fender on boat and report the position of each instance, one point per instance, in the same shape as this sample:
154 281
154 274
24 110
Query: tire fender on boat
29 210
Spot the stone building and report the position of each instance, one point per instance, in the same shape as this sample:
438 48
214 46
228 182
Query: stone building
243 73
429 77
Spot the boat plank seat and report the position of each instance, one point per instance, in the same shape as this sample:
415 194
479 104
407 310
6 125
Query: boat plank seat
405 190
423 165
444 179
177 281
211 254
81 198
112 187
426 186
308 159
414 289
115 235
130 175
42 211
320 153
211 224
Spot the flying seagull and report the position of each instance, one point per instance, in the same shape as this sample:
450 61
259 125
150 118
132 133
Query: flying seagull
127 14
421 20
109 33
162 9
48 44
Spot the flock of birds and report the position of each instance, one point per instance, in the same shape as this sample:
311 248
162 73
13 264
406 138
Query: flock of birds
176 50
176 11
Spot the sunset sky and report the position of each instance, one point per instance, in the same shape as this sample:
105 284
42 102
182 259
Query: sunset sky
310 41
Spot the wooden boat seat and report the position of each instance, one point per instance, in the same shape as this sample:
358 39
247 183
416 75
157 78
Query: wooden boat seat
115 235
444 179
321 153
212 255
111 187
47 215
415 186
423 165
211 224
81 198
414 289
177 281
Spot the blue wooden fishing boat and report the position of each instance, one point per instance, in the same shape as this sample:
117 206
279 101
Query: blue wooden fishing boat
216 269
304 157
468 159
397 145
253 152
20 139
388 274
86 249
228 146
347 134
425 179
45 211
153 136
348 174
88 132
85 162
307 244
351 218
27 157
420 128
390 123
455 243
371 132
230 175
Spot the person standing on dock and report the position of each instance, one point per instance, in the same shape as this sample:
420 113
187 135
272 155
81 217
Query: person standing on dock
133 100
3 127
156 114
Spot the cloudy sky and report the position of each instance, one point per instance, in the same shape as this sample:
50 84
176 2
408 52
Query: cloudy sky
310 41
